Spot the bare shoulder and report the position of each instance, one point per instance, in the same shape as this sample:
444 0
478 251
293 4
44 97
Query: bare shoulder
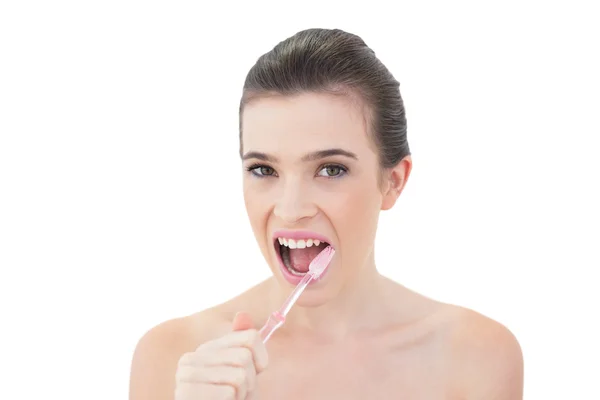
486 357
158 351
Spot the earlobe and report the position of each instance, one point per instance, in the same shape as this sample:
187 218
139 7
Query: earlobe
396 181
390 197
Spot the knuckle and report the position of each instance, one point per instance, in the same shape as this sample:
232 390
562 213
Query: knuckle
179 392
229 393
245 355
250 379
182 391
185 359
262 358
188 390
183 373
253 336
239 377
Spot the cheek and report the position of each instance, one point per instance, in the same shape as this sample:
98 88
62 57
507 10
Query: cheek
255 205
257 210
360 212
354 217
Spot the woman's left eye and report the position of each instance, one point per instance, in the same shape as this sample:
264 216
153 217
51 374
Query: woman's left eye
332 171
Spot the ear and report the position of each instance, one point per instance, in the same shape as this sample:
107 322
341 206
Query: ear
394 182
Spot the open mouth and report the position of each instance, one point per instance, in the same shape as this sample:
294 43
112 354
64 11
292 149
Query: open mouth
297 254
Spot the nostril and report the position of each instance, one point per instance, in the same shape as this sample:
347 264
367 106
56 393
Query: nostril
293 216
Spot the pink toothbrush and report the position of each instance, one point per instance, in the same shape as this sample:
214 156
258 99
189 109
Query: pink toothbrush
315 269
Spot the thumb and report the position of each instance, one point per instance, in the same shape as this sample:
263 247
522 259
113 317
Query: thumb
242 321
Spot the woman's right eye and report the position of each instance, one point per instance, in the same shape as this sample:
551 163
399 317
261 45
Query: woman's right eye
261 170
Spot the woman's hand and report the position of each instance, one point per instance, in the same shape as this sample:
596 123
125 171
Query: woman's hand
224 368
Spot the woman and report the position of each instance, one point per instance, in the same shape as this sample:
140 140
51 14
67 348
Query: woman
324 150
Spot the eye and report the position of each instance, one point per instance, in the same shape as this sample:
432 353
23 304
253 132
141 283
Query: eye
332 171
261 170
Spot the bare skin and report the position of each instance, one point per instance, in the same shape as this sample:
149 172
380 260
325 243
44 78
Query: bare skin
355 334
430 350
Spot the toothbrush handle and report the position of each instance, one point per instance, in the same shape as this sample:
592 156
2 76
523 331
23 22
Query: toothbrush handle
273 323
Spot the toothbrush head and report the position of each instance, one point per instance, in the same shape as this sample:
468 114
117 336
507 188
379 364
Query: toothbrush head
319 264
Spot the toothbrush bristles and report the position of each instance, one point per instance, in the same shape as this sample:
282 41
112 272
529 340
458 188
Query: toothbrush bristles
320 262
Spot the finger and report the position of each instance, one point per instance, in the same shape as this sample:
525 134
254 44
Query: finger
242 321
249 339
250 377
232 339
259 352
220 375
252 340
187 359
240 357
232 356
204 391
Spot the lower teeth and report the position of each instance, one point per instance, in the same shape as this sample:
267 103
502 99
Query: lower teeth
285 257
294 272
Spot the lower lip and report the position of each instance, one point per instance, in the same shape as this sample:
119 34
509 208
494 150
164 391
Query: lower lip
291 278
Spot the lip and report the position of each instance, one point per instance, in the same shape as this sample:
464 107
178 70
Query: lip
297 235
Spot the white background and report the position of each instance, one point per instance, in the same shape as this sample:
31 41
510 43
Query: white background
120 183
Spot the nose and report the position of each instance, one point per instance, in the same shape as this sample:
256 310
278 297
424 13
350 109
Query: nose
294 203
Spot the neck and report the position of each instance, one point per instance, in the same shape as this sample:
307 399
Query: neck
360 305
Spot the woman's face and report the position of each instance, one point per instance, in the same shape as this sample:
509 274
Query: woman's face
311 176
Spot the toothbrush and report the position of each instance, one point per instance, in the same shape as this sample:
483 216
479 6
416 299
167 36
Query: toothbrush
315 269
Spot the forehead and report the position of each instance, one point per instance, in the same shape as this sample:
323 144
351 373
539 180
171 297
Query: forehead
303 123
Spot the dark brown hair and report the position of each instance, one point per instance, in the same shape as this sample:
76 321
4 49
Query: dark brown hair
334 61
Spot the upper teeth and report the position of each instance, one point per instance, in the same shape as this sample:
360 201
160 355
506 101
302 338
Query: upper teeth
298 244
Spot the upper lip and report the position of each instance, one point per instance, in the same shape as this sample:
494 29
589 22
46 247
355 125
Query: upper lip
296 235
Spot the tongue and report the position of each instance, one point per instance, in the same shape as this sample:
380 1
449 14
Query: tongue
300 258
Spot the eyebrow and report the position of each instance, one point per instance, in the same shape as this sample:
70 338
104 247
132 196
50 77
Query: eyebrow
316 155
